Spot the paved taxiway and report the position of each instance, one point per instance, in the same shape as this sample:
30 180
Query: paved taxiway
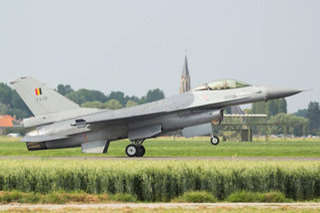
170 158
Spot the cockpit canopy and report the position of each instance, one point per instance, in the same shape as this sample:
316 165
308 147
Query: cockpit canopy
222 85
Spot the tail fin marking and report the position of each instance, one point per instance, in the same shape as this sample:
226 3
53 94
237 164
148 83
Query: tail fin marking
41 99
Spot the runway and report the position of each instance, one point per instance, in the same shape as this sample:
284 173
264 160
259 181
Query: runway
108 206
168 158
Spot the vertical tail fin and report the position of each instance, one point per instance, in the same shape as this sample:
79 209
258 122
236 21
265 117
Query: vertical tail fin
41 99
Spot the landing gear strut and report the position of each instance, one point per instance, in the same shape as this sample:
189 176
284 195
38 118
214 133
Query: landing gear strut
135 149
214 140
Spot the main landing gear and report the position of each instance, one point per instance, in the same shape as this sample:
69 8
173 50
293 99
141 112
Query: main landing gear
214 140
135 149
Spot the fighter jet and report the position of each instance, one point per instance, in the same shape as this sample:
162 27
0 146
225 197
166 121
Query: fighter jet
60 123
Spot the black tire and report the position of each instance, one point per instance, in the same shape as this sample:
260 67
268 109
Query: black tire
141 151
131 150
214 140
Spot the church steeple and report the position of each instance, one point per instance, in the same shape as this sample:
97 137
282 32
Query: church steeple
185 77
185 70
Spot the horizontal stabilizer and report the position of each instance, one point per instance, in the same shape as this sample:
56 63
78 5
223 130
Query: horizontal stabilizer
199 130
43 138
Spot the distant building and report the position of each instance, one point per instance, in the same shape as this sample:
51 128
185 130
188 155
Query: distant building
6 121
185 84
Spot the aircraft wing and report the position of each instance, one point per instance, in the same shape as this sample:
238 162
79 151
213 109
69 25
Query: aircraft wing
107 118
154 109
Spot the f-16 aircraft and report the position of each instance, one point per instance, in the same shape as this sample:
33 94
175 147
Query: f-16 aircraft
61 123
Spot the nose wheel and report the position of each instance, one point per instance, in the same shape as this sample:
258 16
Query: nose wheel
135 149
214 140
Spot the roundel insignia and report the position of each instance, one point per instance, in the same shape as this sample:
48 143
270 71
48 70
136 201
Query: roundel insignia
205 96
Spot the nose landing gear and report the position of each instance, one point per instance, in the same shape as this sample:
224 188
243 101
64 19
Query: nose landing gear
214 140
135 149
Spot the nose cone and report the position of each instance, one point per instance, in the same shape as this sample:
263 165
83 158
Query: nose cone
273 93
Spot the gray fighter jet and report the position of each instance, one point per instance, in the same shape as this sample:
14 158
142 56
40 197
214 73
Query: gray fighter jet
60 123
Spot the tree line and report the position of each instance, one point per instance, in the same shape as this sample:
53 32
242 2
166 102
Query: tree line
11 103
304 121
115 100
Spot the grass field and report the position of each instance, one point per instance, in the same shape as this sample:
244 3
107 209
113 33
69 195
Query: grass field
166 180
181 147
162 180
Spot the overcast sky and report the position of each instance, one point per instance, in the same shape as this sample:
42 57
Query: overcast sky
133 46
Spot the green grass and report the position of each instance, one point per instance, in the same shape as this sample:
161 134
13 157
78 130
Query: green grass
258 197
196 197
180 147
61 197
162 180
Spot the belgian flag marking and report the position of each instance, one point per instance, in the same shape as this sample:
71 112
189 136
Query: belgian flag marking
38 91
